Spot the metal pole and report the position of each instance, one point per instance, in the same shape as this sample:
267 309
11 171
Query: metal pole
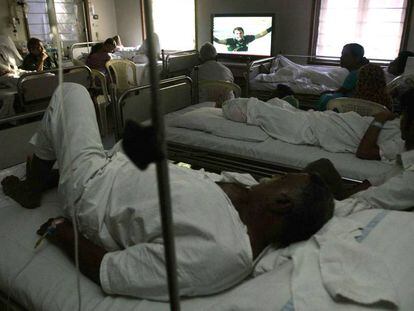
162 166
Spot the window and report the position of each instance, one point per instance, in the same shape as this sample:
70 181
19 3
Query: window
174 22
378 25
66 15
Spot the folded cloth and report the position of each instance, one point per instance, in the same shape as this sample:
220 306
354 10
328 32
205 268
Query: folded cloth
333 267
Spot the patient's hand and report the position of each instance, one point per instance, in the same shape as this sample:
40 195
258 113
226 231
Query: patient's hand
21 191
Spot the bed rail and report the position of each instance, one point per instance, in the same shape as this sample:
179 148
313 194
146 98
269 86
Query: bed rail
179 62
82 47
176 93
36 88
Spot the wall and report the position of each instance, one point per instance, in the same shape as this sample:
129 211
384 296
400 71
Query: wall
128 16
105 26
293 21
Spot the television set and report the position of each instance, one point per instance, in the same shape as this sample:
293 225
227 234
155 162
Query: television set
241 35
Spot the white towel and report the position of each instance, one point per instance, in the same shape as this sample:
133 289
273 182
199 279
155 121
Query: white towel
332 271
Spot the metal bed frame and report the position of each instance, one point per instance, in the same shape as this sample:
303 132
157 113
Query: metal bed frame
198 157
82 45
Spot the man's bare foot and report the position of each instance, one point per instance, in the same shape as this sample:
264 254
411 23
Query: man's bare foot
23 192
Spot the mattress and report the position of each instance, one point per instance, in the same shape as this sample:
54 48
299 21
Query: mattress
275 151
45 279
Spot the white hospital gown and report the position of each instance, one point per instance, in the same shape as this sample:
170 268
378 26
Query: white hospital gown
213 70
393 190
334 132
116 206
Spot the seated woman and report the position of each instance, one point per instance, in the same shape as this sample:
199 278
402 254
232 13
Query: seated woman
37 59
352 58
371 85
100 54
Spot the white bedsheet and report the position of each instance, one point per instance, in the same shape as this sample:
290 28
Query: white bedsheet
275 151
48 281
305 79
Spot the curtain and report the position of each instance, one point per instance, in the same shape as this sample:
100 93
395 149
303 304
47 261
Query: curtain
375 24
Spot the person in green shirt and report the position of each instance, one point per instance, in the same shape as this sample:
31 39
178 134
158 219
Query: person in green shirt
241 41
352 58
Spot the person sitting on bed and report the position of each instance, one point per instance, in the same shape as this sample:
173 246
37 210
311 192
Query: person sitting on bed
220 225
371 85
352 58
211 69
37 59
100 55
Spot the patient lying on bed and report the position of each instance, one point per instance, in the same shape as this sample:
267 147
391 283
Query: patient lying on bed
220 227
334 132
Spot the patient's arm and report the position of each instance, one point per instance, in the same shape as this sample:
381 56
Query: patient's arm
358 188
368 148
90 255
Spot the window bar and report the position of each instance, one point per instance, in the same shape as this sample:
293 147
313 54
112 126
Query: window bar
162 165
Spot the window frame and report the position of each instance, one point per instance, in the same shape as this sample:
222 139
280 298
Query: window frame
313 40
85 12
144 29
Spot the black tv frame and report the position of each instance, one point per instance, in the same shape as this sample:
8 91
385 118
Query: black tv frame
243 57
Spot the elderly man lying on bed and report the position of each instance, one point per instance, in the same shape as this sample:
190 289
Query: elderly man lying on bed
334 132
220 227
394 190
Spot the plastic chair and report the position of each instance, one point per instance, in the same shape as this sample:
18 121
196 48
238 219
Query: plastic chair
102 99
360 106
218 91
402 80
119 76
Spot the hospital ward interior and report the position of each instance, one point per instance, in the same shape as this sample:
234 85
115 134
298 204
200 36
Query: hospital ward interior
206 155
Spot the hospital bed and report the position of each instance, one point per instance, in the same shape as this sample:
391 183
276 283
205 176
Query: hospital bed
264 75
79 51
202 149
45 279
179 62
35 90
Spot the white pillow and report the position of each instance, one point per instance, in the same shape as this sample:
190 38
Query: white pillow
212 121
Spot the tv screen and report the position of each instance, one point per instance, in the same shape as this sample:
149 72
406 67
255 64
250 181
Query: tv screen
243 34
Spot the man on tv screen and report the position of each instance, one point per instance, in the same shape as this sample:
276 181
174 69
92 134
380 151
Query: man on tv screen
240 41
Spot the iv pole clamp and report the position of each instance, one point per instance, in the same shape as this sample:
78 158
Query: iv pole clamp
144 145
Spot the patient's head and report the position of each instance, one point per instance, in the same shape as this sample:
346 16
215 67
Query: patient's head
208 52
35 46
109 45
291 208
407 119
352 56
397 66
117 40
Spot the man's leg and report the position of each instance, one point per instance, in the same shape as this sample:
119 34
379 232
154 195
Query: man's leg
69 134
